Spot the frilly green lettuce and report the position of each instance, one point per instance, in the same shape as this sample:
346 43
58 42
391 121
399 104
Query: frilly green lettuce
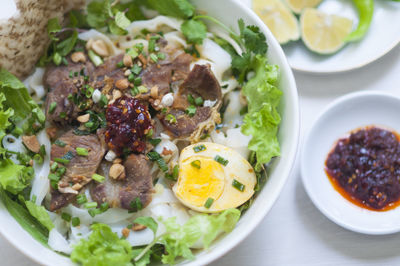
13 177
102 248
262 119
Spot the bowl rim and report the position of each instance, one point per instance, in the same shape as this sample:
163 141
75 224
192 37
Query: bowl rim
216 253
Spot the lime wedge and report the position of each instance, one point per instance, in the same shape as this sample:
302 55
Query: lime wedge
324 33
299 5
279 19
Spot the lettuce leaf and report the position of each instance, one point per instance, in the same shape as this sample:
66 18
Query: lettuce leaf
18 99
5 115
178 239
262 119
103 247
23 217
173 8
13 177
40 213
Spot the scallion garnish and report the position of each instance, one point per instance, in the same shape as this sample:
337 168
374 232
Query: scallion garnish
136 205
161 56
81 199
103 100
52 107
63 115
82 151
171 118
60 143
191 110
66 217
90 205
54 167
138 81
190 98
196 164
120 64
38 159
156 157
154 58
198 101
221 160
98 178
95 58
208 203
61 171
54 177
239 186
199 148
61 160
131 78
75 221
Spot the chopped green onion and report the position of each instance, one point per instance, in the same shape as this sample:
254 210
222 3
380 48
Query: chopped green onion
64 61
137 81
98 178
89 205
81 199
132 52
196 164
208 203
143 89
239 186
38 159
171 118
63 115
131 78
191 110
94 212
60 143
61 171
164 110
54 167
134 91
82 151
104 206
54 177
52 107
190 98
66 217
95 58
42 150
71 74
61 160
75 221
221 160
136 69
154 142
89 124
69 155
152 45
155 156
89 92
103 100
199 148
136 204
120 64
199 101
154 58
161 56
149 133
175 172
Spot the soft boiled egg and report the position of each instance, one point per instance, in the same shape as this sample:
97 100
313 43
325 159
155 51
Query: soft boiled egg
213 177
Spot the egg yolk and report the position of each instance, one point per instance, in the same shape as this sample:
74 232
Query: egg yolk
200 178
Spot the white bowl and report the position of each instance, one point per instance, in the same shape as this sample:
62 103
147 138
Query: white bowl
342 116
228 11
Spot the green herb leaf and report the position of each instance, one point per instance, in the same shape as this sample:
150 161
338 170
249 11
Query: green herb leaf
195 31
173 8
121 20
148 222
53 26
103 247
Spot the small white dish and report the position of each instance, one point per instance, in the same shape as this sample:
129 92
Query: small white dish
339 118
383 36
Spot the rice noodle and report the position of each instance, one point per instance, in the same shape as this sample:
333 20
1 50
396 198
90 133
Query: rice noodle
34 84
40 184
58 243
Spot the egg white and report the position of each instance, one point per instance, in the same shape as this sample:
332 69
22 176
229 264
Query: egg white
238 168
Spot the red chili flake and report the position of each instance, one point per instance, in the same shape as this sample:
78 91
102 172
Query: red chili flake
126 127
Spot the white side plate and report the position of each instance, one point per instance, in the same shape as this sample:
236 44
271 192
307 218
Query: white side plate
342 116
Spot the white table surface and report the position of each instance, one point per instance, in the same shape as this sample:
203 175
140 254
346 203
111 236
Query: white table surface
294 232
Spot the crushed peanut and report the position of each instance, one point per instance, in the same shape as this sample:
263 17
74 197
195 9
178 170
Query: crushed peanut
127 60
100 48
116 94
142 59
125 232
122 84
78 57
154 92
117 160
117 171
51 132
83 118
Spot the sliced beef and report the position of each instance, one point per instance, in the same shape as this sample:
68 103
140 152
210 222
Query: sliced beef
199 83
110 69
79 169
166 72
59 83
137 184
